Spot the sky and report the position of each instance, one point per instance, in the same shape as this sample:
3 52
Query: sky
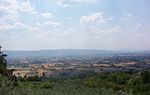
75 24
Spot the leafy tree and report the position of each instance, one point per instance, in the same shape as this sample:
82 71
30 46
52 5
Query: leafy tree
34 78
136 80
145 76
118 78
3 63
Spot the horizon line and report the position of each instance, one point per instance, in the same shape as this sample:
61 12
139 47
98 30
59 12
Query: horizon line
74 49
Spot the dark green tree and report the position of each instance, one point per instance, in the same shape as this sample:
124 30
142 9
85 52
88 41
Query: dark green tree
3 62
145 76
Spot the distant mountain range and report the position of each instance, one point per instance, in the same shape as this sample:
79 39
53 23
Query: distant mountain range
66 52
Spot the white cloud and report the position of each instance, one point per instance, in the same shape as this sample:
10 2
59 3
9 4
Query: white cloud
110 18
85 1
69 18
6 27
26 6
47 15
8 11
49 29
97 23
63 3
93 19
113 29
11 8
138 25
10 21
34 29
48 23
68 3
16 25
9 14
58 35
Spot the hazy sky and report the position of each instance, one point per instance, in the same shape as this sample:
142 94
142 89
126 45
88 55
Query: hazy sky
75 24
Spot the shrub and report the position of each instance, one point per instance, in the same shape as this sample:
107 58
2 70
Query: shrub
47 85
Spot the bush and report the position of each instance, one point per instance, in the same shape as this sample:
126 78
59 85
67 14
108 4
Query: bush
6 86
47 85
135 81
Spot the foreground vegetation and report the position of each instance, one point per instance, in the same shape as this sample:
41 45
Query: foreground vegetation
118 83
52 87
